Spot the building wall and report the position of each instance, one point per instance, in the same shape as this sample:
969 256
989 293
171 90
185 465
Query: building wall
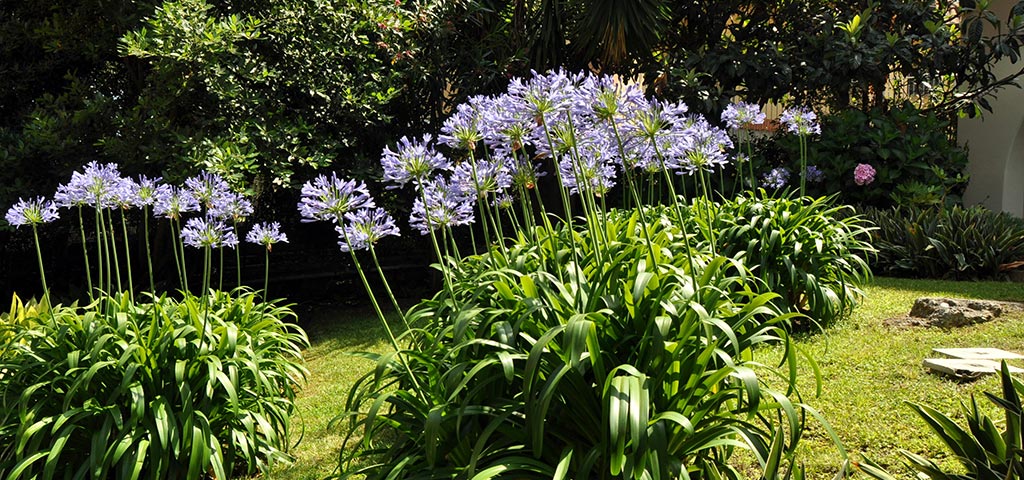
996 144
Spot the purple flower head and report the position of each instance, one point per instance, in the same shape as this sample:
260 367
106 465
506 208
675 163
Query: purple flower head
230 206
412 161
593 170
364 228
863 174
739 114
503 201
266 234
524 172
208 232
32 212
461 131
330 198
703 145
444 208
172 201
814 174
544 97
503 126
606 99
776 178
94 186
206 187
125 193
801 121
147 190
478 179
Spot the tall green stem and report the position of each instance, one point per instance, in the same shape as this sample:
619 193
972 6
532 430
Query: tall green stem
383 320
112 241
149 254
266 275
39 257
85 252
387 287
127 255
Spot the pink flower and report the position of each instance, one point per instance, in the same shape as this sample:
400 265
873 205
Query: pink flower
863 174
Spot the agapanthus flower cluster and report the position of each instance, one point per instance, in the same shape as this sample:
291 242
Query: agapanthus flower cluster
863 174
776 178
413 160
173 201
443 207
201 232
330 198
96 185
207 188
364 227
266 234
739 114
814 174
33 211
800 121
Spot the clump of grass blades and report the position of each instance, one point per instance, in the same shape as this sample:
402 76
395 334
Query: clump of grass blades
809 251
191 388
613 363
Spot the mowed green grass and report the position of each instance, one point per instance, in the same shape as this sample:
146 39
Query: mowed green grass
869 371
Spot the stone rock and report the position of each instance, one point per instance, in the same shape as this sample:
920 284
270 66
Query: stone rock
952 312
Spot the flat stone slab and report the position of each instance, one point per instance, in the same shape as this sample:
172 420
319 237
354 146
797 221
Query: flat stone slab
965 368
978 353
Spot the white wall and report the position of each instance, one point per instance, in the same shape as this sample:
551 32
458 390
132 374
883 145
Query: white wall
996 144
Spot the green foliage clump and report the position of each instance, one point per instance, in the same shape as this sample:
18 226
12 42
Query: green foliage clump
983 450
167 389
619 351
811 253
951 243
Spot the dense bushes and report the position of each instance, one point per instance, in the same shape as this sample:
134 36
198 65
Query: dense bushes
957 243
577 356
168 389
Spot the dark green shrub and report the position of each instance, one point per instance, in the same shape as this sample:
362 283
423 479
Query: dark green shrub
169 389
954 242
984 451
916 159
808 251
582 358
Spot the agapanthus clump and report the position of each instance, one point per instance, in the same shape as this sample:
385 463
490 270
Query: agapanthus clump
33 212
171 203
863 174
266 234
777 178
802 122
736 116
330 198
412 161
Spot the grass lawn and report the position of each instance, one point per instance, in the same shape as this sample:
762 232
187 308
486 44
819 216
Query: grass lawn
869 371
